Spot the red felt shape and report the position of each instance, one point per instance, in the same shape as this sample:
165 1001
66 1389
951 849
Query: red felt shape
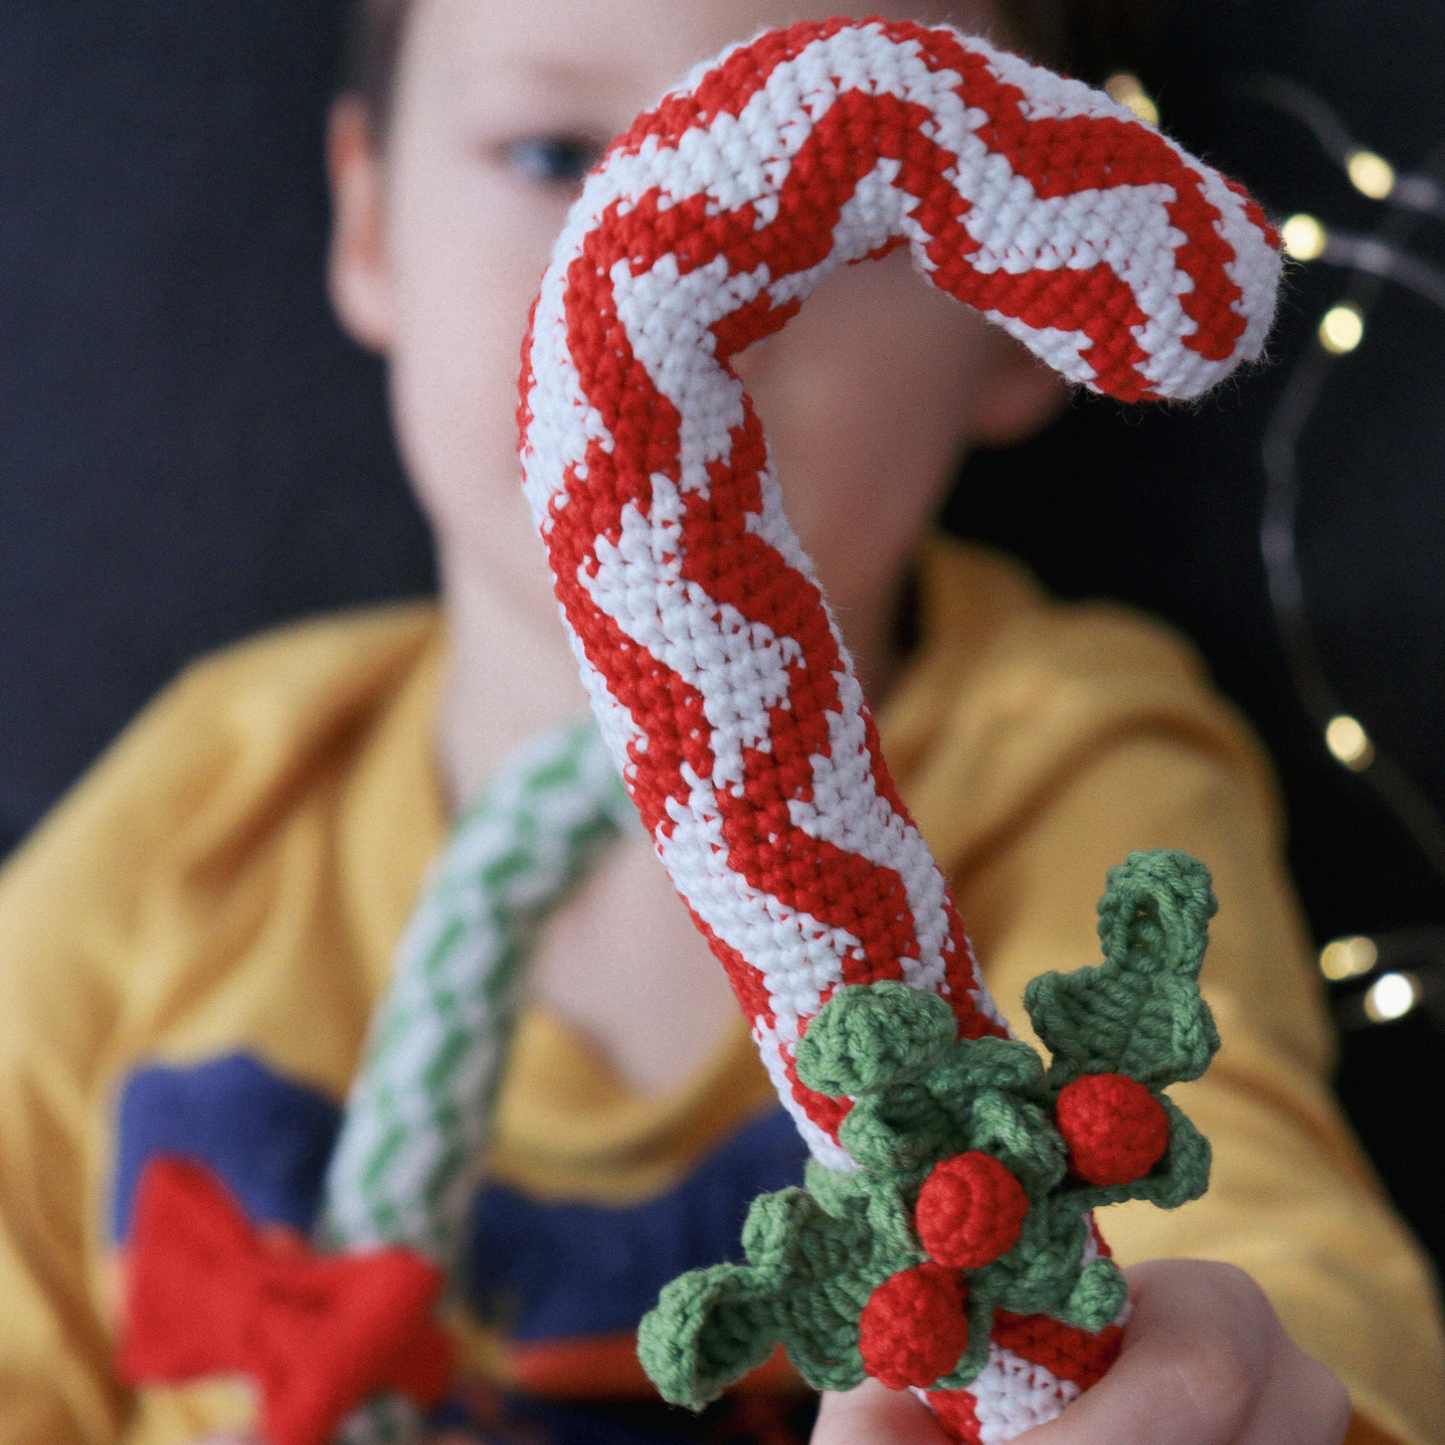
1116 1130
913 1328
970 1210
208 1294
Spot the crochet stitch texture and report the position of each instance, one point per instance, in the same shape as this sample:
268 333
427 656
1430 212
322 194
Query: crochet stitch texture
726 697
419 1112
968 1208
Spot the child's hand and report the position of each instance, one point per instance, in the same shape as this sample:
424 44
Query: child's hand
1205 1362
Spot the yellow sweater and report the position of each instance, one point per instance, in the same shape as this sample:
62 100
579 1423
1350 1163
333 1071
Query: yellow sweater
234 873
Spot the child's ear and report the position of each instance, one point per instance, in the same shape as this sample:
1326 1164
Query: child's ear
1022 396
358 277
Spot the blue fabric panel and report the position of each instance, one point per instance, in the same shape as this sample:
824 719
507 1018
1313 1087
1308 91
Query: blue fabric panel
267 1137
555 1271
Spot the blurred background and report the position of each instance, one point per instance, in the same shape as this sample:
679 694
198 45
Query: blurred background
190 451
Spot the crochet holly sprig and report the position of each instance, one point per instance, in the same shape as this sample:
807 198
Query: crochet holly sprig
977 1167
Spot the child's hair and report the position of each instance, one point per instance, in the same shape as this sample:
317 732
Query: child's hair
1087 38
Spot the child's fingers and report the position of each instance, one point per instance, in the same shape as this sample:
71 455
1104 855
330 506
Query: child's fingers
1205 1362
1308 1404
875 1415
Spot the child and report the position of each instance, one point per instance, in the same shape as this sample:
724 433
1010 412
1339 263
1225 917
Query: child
201 930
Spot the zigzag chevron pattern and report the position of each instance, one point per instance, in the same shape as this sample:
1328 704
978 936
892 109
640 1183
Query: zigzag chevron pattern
719 678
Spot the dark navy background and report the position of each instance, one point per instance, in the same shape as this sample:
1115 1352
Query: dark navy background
189 450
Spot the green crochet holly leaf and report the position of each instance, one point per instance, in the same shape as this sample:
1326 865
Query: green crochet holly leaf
808 1274
925 1103
1139 1012
920 1093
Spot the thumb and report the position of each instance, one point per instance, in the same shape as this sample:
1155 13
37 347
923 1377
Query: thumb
873 1414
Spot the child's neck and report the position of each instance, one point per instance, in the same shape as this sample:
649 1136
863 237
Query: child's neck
510 671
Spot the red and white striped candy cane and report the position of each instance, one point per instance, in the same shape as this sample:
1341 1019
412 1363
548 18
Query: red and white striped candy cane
719 677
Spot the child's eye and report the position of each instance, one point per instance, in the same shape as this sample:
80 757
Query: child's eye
553 160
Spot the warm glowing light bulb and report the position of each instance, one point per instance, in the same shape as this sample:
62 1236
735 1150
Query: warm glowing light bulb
1304 237
1348 958
1347 739
1129 92
1371 175
1342 329
1391 997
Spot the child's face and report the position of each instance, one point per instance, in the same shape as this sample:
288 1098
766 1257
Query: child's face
868 398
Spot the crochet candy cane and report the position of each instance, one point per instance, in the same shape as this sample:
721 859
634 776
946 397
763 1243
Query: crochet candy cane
726 697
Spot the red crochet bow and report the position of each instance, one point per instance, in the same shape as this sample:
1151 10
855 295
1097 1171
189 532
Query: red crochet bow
207 1294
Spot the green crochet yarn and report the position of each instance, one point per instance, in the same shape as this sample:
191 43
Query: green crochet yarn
1140 1014
403 1168
922 1096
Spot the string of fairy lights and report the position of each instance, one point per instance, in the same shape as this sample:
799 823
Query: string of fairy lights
1385 977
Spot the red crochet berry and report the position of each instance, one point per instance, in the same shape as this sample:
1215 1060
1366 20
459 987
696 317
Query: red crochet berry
970 1210
913 1329
1115 1128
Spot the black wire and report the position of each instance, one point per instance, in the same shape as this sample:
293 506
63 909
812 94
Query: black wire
1278 543
1374 257
1415 191
1372 261
1316 114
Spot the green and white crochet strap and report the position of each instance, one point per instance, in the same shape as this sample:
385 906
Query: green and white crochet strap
418 1113
417 1117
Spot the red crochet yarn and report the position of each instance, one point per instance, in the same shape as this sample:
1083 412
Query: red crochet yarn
913 1329
970 1210
732 713
1115 1128
718 675
1066 1352
957 1415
